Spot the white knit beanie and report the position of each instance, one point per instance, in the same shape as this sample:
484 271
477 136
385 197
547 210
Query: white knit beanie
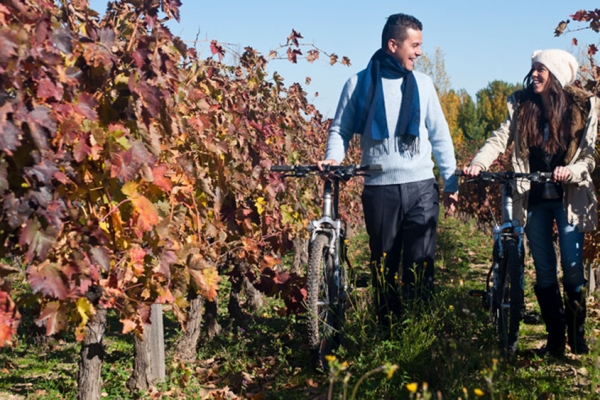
560 63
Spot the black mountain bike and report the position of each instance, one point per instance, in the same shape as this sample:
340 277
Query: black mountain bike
327 276
504 292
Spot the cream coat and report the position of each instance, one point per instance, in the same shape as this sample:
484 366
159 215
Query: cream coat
579 194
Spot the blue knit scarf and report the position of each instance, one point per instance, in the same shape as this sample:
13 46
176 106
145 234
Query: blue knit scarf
370 117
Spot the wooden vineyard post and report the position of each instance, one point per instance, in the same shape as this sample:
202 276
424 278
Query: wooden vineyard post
157 343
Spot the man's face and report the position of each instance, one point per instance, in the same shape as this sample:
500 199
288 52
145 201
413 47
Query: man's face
409 50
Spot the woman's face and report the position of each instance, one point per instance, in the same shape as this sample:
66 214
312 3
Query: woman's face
540 77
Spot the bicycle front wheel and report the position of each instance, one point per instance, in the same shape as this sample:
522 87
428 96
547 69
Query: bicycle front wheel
510 298
322 300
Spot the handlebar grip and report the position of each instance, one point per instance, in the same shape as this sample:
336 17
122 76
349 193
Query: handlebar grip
282 168
372 167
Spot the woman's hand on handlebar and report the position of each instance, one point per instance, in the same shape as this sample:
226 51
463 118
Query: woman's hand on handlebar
472 171
561 174
322 163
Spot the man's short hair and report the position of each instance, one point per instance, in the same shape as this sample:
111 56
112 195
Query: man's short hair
396 27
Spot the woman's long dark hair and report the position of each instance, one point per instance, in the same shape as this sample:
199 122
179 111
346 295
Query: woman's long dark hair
533 118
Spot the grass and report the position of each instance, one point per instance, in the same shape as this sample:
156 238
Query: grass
446 351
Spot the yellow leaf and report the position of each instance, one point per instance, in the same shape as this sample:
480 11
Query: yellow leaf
85 310
260 205
129 188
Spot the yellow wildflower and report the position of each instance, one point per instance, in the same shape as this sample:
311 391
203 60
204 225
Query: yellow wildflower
412 387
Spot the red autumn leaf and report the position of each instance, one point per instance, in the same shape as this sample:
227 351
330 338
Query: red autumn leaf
160 179
171 8
54 317
580 15
292 55
81 150
48 279
346 61
592 49
293 37
39 242
86 106
333 59
215 48
47 89
9 317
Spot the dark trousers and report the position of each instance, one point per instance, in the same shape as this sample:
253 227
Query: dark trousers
401 221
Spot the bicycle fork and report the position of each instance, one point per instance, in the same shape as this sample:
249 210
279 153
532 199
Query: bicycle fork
332 227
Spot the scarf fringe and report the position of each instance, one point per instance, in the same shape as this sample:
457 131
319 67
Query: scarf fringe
409 145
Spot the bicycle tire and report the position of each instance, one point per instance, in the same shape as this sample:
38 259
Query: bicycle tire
322 305
511 298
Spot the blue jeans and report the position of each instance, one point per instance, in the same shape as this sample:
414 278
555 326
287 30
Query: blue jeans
540 236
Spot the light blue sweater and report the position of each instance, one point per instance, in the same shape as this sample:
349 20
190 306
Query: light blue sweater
434 137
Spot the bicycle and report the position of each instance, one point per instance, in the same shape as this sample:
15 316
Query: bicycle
327 278
503 296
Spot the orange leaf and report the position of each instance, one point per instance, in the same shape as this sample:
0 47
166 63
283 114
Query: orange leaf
128 325
206 281
147 213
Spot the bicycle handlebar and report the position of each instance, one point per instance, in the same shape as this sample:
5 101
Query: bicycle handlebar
505 176
341 171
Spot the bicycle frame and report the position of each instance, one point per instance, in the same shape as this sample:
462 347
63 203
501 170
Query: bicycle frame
330 224
509 226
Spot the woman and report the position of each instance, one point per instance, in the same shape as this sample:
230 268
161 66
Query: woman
553 127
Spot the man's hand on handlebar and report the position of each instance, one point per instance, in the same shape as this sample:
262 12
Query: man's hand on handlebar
322 163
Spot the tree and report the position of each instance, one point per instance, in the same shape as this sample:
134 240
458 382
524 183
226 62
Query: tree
468 122
491 104
436 69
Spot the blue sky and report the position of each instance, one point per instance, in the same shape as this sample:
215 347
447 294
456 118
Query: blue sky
482 40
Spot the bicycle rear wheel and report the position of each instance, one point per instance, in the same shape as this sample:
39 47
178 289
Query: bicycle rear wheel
322 303
509 293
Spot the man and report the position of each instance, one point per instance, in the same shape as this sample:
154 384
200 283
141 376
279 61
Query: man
398 115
